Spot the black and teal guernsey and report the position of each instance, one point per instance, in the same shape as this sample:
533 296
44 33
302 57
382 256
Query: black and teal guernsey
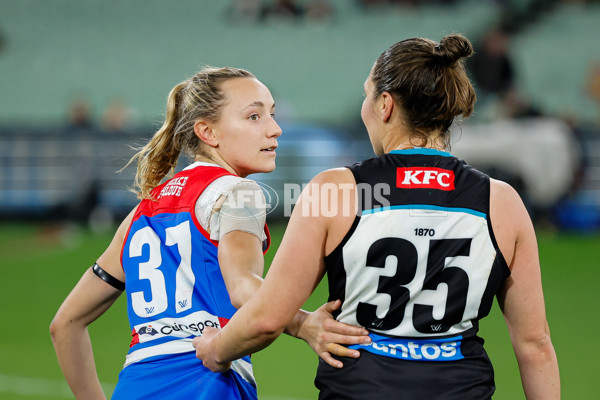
419 268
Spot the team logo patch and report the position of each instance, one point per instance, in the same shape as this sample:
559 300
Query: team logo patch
147 330
425 178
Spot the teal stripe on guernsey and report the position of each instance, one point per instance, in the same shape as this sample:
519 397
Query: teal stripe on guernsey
421 150
426 207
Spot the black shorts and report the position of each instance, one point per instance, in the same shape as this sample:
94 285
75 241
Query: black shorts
372 377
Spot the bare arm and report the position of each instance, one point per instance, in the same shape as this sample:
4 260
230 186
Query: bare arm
242 263
90 298
522 299
296 270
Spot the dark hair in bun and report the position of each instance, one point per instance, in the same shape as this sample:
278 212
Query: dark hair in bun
428 80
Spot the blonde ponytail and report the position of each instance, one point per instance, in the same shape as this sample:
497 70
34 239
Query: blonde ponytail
199 97
158 158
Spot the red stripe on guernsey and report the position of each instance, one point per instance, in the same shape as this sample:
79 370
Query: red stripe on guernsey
268 242
136 338
223 322
425 178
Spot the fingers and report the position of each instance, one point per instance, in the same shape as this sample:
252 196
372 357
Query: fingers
209 331
331 361
331 306
207 334
203 347
340 351
334 326
334 338
217 367
339 327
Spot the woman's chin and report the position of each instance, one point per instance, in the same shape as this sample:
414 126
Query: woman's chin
267 170
270 167
263 169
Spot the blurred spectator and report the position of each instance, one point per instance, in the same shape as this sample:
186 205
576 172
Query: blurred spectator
580 133
371 4
491 66
284 9
440 2
366 4
501 3
85 200
594 80
593 86
245 11
515 105
79 117
409 3
319 10
582 1
117 117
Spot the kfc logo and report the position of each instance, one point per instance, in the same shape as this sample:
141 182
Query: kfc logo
425 178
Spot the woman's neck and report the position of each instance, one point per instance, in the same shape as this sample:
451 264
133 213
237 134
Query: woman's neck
404 142
215 159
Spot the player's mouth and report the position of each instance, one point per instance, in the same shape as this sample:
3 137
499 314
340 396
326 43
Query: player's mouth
269 150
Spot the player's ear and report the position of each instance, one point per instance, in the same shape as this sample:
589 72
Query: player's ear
386 106
204 131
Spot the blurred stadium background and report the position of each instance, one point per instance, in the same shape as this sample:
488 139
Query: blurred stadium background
81 82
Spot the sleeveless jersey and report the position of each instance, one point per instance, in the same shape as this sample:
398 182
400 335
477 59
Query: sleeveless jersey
418 268
175 289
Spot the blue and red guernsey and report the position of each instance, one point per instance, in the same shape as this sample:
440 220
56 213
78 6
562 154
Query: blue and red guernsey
174 283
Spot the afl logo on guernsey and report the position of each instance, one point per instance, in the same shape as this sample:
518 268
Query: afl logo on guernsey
425 178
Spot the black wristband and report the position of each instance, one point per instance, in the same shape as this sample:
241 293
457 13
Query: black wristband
108 278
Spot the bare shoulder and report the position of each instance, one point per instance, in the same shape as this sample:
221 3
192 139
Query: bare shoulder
321 189
329 204
505 201
509 217
110 260
124 226
334 175
502 191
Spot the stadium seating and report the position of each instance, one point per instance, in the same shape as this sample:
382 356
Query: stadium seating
137 50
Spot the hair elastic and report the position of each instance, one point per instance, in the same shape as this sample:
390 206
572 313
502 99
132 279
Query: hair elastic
108 278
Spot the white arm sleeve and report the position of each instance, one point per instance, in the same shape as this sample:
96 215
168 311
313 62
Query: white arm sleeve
232 204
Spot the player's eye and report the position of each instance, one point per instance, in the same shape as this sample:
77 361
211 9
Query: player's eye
253 117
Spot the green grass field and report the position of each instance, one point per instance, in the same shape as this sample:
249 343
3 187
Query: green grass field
39 264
